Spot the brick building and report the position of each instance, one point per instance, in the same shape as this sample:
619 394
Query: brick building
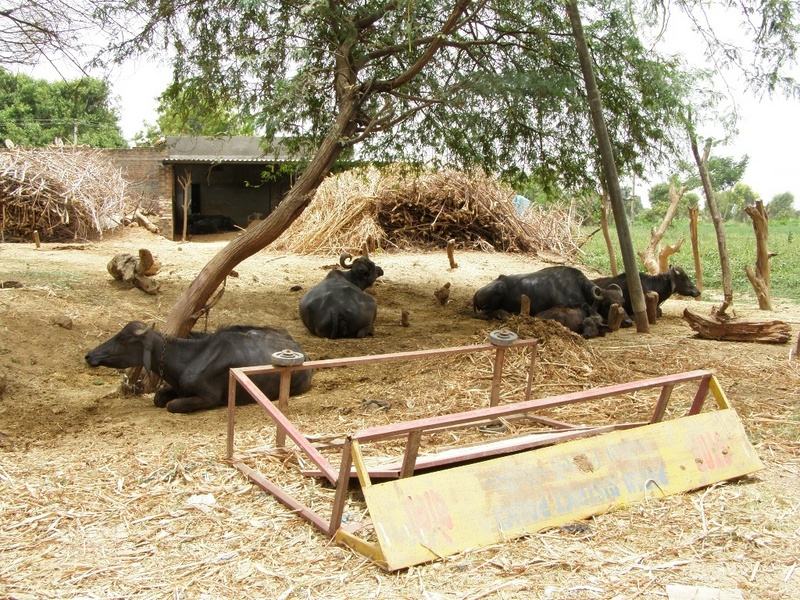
232 177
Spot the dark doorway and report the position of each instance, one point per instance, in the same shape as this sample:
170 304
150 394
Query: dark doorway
194 207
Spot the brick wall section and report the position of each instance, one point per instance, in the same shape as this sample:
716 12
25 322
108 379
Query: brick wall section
149 181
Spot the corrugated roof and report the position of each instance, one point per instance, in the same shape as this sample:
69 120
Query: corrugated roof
234 149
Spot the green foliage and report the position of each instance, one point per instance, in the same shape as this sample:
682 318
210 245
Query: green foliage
182 111
501 90
740 240
725 171
731 203
34 112
782 207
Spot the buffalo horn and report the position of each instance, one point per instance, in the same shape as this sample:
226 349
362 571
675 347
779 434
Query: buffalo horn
344 258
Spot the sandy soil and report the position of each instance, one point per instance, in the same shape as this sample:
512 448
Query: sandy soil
99 491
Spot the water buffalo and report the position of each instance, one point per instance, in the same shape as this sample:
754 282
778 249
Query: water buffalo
337 306
673 281
199 224
196 368
546 288
582 319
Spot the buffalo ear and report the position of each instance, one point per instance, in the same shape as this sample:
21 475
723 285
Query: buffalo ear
147 347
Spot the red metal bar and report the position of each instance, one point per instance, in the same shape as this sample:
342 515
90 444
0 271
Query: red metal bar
281 420
486 450
283 405
341 488
661 405
283 497
231 413
401 429
379 358
497 375
531 373
410 458
700 396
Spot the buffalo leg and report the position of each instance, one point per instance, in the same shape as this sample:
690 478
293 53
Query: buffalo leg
191 404
163 396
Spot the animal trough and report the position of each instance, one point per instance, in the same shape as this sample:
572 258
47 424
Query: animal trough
427 505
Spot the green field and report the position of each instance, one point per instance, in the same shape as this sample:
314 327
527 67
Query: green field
784 240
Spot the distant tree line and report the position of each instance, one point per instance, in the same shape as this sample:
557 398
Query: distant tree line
35 113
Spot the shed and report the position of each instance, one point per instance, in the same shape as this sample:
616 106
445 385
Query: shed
229 176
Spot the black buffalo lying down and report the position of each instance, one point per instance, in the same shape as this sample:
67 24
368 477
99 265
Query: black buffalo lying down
338 306
196 368
673 281
546 288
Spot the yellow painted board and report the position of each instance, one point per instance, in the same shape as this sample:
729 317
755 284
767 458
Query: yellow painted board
437 514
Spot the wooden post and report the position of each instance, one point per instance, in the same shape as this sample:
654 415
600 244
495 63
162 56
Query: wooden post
651 303
694 213
451 248
36 239
524 306
616 314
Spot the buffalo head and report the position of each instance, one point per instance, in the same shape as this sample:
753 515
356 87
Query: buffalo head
131 347
681 284
361 272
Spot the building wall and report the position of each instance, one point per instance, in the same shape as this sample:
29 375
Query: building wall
150 182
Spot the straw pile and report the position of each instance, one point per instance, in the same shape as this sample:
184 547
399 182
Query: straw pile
63 193
395 208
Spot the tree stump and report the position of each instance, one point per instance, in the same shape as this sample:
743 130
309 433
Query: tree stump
524 306
451 248
136 271
616 314
770 332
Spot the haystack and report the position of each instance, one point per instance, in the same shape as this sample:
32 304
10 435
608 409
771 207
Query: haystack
393 208
63 192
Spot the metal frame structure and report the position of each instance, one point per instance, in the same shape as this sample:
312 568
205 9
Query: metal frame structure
353 464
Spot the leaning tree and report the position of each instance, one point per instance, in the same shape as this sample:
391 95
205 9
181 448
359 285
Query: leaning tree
494 83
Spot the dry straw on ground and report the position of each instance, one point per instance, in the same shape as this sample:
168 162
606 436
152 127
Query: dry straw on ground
62 192
396 209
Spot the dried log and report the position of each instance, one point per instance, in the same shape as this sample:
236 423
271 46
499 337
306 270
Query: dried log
133 270
772 332
142 220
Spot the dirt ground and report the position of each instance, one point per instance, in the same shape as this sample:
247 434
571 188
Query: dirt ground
106 496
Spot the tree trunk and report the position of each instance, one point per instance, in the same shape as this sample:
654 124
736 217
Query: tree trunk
612 256
185 181
652 255
719 226
189 306
760 279
694 213
609 170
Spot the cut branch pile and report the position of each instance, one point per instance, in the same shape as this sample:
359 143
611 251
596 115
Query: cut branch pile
64 193
391 208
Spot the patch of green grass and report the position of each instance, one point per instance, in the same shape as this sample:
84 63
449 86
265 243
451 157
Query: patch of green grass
55 279
784 240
